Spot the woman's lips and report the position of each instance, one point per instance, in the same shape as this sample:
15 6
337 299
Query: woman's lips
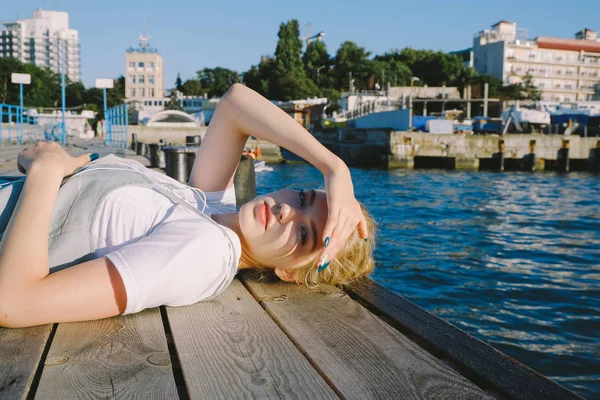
264 214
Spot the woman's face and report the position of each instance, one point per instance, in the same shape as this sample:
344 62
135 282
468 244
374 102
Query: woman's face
284 229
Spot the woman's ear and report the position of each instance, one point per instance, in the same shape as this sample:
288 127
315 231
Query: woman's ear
286 275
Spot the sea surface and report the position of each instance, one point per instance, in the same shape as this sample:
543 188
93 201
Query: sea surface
511 258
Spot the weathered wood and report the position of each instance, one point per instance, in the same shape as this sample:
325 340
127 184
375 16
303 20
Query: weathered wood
20 353
228 347
120 357
361 356
485 365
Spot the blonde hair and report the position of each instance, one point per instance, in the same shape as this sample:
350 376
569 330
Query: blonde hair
352 262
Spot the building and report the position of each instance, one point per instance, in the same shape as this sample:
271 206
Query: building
38 41
565 70
144 72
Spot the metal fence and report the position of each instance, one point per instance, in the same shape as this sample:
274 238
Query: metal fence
117 126
17 125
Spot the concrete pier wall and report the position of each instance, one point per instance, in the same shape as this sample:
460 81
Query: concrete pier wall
384 148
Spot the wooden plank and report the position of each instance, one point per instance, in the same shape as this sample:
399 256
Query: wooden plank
20 354
228 347
488 366
361 355
120 357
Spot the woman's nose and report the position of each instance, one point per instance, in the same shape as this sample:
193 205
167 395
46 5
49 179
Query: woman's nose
285 213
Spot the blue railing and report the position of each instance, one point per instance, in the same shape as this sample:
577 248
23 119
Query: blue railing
117 126
17 125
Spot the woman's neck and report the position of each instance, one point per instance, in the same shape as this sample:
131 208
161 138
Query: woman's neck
232 221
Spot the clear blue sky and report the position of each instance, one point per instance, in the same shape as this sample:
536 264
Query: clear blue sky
192 35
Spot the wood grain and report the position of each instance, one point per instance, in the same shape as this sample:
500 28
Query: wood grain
20 353
489 367
120 357
361 355
228 347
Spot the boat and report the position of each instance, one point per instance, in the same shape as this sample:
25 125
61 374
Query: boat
524 120
261 166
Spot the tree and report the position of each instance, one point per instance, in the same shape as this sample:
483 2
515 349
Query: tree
192 87
317 64
528 90
259 76
216 81
288 79
178 83
173 104
351 58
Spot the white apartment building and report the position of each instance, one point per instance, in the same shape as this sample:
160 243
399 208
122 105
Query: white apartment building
38 41
143 72
565 70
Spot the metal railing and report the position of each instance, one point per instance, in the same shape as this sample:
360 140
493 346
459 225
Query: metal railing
117 126
17 125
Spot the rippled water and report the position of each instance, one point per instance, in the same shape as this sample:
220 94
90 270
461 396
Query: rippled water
511 258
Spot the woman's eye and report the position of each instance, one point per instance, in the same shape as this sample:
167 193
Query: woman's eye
302 198
304 236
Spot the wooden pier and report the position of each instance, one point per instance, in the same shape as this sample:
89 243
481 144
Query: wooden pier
263 340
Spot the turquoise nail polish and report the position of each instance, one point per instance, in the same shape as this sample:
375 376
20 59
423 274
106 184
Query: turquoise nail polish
326 241
322 267
94 156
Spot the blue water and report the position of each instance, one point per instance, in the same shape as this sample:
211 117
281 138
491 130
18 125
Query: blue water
511 258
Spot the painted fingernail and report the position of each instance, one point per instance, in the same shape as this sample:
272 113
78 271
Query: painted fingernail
326 241
366 239
94 156
322 267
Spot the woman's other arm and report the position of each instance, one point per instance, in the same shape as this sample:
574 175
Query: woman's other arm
29 295
242 113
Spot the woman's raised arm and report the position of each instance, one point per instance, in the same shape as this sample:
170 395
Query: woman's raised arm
242 113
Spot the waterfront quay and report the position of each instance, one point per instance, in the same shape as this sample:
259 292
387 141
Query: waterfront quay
261 340
385 148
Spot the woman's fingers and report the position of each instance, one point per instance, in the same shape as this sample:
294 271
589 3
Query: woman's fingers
337 235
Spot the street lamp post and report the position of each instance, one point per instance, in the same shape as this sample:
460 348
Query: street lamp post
62 42
318 71
21 79
105 84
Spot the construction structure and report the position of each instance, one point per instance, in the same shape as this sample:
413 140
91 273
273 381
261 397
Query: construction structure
39 41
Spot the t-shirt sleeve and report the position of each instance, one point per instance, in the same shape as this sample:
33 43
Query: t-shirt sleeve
178 263
221 202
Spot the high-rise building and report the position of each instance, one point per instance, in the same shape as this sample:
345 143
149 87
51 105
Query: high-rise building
38 41
565 70
143 71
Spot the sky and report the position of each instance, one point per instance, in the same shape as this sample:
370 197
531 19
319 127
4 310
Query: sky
191 35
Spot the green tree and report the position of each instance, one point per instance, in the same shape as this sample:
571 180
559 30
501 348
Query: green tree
192 87
288 79
528 90
179 83
173 104
317 63
75 94
259 76
216 81
352 59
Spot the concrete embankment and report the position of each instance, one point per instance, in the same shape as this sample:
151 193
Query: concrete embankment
176 135
381 148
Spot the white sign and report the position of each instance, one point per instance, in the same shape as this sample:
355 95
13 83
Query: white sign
24 79
102 83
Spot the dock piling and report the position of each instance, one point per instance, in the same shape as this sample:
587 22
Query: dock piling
562 158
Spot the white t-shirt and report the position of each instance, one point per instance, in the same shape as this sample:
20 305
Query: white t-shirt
165 254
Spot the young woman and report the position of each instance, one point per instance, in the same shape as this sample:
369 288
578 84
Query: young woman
89 240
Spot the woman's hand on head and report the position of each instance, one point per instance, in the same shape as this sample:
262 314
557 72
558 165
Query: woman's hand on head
51 156
344 213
